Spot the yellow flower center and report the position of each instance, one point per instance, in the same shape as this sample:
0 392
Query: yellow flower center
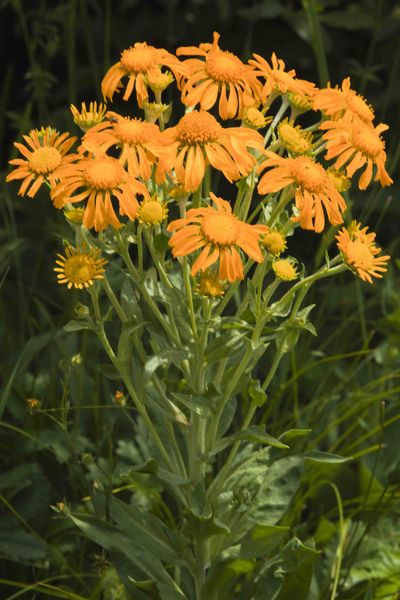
45 160
152 212
255 118
157 80
294 138
209 285
224 66
75 215
139 58
85 119
131 131
274 242
358 105
359 255
104 173
300 102
284 269
220 229
198 128
367 141
79 267
339 179
308 174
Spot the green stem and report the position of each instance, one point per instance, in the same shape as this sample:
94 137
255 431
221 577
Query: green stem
310 8
113 299
140 247
125 377
156 259
285 198
124 253
189 295
158 97
276 120
196 198
71 54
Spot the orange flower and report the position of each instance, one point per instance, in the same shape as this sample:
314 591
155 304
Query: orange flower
357 143
279 81
219 233
198 138
44 152
314 190
137 139
98 179
334 101
360 252
136 62
218 72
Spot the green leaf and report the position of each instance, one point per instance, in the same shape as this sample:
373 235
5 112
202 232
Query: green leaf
76 325
32 348
200 516
351 20
20 545
291 434
225 345
290 574
262 10
260 490
262 540
163 358
149 531
326 457
258 396
113 539
129 302
254 434
200 404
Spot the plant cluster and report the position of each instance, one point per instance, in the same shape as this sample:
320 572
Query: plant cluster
196 299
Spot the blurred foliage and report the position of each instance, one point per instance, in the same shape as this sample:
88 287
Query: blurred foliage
344 385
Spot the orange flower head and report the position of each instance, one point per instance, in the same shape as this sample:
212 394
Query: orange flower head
294 138
199 139
137 139
135 63
359 252
356 143
43 153
220 235
209 285
284 269
313 189
80 267
85 119
279 81
334 102
98 178
218 73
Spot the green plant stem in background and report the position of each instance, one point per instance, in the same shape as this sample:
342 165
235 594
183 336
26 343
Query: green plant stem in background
310 8
126 378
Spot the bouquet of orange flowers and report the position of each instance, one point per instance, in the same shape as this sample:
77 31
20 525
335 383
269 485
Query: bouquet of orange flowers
195 297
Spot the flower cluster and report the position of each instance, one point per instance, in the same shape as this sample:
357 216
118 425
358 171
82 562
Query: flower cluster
139 169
